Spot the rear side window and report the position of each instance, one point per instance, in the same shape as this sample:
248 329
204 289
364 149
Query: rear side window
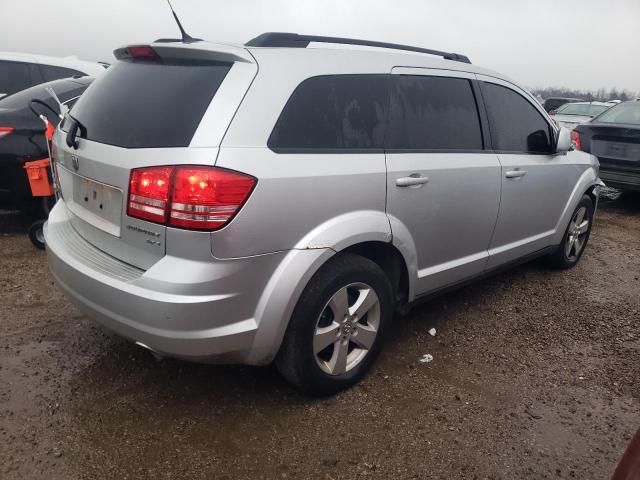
334 113
433 113
14 76
516 125
148 105
54 73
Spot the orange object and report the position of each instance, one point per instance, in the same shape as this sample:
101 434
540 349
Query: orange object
49 131
38 174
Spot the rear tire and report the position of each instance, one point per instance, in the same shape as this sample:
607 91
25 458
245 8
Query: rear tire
338 326
575 237
36 234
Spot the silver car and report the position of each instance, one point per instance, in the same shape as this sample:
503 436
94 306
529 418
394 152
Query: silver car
570 115
276 202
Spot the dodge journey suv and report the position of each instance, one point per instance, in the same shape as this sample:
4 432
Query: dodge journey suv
278 201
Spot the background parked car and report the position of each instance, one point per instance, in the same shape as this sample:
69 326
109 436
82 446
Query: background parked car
22 135
552 103
19 71
570 115
614 137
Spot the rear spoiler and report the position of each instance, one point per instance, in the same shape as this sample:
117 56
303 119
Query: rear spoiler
200 51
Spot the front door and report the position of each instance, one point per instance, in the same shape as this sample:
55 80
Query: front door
536 183
443 187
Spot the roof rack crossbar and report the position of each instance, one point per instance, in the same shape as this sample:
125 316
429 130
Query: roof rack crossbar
294 40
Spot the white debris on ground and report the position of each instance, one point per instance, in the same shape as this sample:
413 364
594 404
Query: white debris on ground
426 358
432 332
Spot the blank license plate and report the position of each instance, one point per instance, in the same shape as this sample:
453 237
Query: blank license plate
100 199
622 151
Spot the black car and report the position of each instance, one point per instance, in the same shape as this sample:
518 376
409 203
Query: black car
614 137
22 134
553 103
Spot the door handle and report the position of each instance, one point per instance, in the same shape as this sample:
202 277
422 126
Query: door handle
515 173
414 180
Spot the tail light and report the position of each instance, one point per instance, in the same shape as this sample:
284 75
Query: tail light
149 193
4 131
144 52
575 138
195 198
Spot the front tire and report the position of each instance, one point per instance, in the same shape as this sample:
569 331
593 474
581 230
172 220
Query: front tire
337 327
575 238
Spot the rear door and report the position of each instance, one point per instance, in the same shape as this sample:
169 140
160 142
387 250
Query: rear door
536 184
141 113
443 186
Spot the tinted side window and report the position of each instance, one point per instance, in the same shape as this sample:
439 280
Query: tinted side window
14 76
54 73
516 125
433 113
334 112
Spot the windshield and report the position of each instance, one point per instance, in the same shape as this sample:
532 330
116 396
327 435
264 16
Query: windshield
585 109
622 113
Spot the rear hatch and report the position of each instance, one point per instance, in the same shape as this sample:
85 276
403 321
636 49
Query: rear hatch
158 105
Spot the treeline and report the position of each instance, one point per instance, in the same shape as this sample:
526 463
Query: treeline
600 95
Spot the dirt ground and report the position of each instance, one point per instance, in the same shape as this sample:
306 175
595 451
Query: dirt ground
535 375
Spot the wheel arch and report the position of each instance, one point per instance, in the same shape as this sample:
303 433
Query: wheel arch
366 233
587 184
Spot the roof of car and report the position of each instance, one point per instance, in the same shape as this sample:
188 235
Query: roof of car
603 104
333 51
89 68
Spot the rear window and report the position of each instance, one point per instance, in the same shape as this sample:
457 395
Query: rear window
148 105
64 89
581 109
628 113
334 113
434 113
53 73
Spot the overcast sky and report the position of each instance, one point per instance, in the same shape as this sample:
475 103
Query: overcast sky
583 44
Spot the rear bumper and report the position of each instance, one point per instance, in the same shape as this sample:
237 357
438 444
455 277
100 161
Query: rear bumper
620 180
169 308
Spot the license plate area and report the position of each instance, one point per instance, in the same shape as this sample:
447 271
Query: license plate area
96 203
620 150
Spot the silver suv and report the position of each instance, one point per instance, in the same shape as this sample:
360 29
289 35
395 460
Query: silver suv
275 202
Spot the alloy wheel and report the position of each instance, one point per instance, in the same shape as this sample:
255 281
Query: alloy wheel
577 234
346 329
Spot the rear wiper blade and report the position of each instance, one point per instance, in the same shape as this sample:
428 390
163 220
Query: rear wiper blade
72 133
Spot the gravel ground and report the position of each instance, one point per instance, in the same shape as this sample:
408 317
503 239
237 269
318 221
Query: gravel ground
535 375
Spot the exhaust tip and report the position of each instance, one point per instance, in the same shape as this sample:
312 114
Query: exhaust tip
155 354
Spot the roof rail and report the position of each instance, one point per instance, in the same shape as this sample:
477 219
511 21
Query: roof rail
294 40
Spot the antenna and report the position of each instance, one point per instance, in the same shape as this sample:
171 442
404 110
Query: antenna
63 108
186 38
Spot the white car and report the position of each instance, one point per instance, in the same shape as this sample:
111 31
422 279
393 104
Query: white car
570 115
19 71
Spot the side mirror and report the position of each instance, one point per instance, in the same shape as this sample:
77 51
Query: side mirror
564 145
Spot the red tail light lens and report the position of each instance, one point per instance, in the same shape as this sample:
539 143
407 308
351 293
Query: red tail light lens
575 138
207 198
149 193
197 198
4 131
